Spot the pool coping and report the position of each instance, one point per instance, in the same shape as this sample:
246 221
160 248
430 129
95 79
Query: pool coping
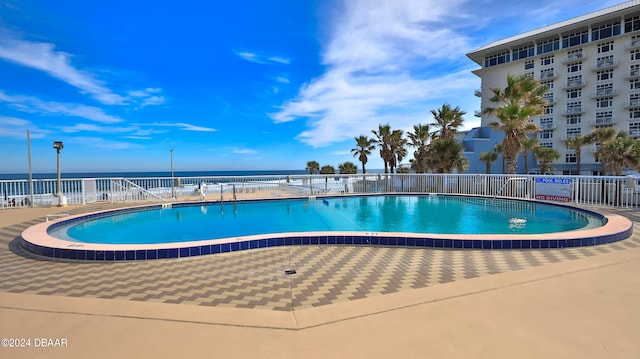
36 239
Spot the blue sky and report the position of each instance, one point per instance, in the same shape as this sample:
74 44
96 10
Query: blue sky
237 85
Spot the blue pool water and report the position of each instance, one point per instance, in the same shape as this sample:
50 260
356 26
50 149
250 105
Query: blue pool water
416 214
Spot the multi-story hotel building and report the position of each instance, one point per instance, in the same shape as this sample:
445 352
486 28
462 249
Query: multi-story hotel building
591 65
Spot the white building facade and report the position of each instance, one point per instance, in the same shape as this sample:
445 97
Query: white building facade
591 65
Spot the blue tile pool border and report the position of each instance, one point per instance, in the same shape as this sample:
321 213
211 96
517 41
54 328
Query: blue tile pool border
277 240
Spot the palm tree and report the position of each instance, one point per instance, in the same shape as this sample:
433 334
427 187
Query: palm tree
327 170
419 139
576 143
383 139
347 168
312 167
498 150
448 120
398 149
446 154
488 158
545 155
517 104
600 136
364 146
528 144
620 152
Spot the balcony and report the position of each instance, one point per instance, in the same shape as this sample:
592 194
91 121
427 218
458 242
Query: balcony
549 98
632 104
569 137
547 75
547 126
604 121
571 84
573 111
573 58
604 93
633 74
633 44
605 64
634 133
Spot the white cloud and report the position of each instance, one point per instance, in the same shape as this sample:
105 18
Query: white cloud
43 56
382 61
258 59
35 105
183 126
17 128
99 142
245 151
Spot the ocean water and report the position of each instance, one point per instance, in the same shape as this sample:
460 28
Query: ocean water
24 176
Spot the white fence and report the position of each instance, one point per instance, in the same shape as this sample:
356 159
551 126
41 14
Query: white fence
591 190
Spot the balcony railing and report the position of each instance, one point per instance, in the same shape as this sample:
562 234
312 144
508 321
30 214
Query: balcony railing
603 121
573 111
574 57
548 75
605 64
574 84
604 93
633 44
632 104
547 126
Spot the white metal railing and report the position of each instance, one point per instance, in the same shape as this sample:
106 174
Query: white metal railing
592 190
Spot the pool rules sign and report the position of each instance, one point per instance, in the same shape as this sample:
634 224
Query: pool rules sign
553 189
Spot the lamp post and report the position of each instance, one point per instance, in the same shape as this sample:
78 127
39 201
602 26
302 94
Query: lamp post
173 193
62 201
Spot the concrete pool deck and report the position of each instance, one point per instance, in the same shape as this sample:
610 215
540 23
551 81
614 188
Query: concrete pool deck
344 302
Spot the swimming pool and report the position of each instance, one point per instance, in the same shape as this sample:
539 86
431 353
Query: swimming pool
438 221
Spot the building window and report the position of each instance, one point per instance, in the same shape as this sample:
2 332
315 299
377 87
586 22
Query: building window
523 52
635 41
604 89
548 110
570 157
604 118
574 119
573 132
548 97
574 67
635 55
634 70
634 99
571 94
632 24
497 59
605 47
574 55
574 107
547 123
604 61
528 64
634 114
546 135
575 39
546 74
548 46
604 102
605 31
546 61
574 81
529 74
604 75
549 84
634 84
634 129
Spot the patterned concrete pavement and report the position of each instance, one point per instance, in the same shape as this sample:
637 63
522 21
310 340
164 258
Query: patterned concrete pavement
257 279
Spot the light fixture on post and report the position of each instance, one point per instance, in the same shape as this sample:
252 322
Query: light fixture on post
61 199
